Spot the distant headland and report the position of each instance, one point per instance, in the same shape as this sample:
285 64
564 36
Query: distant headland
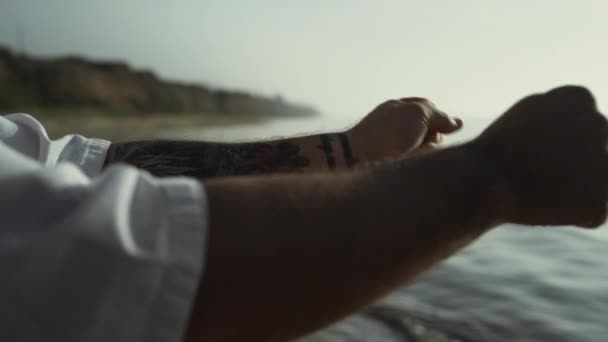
116 87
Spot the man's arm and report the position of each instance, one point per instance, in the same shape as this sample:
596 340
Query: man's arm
289 254
393 129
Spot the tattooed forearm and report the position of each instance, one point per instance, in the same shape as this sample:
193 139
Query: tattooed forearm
208 160
327 140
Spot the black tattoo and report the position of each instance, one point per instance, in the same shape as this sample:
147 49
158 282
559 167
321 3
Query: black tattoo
326 141
209 160
346 150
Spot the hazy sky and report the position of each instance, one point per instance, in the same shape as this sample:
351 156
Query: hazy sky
473 58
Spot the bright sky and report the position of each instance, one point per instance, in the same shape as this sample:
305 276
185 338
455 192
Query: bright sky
472 57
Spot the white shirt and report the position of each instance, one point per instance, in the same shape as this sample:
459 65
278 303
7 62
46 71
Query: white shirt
90 256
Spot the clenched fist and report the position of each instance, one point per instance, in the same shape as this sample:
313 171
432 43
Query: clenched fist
549 153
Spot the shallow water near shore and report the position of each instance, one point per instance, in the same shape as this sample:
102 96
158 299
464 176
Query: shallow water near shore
514 284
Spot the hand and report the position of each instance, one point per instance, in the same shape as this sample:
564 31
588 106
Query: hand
399 127
549 150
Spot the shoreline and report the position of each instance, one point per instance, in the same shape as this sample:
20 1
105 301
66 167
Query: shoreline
149 126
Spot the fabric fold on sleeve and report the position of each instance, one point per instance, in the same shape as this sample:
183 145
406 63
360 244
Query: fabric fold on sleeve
186 243
28 136
117 257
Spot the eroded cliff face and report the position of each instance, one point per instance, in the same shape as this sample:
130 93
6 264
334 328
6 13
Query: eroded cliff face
116 87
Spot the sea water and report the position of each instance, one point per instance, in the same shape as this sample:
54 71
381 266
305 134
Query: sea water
513 284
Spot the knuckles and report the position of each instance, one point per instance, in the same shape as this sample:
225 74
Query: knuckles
415 109
572 91
573 97
392 104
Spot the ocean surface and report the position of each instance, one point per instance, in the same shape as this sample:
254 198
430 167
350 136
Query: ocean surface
514 284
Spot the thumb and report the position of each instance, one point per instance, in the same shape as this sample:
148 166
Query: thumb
442 123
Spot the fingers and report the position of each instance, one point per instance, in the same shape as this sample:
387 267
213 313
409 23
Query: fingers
596 216
589 216
434 138
438 121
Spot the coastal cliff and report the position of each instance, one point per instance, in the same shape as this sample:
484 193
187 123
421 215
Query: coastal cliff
116 87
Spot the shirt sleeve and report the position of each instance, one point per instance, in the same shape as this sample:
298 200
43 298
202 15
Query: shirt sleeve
26 135
116 257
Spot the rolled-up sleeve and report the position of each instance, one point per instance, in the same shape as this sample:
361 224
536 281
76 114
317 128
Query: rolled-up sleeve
90 256
26 135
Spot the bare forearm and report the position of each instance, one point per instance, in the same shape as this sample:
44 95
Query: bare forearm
325 152
290 254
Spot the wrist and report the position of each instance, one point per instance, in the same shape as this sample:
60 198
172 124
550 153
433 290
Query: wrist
500 197
371 150
456 184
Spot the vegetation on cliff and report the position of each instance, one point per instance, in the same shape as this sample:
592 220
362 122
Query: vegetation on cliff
115 87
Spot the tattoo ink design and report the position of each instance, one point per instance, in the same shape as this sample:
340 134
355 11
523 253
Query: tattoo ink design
329 152
346 150
209 160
